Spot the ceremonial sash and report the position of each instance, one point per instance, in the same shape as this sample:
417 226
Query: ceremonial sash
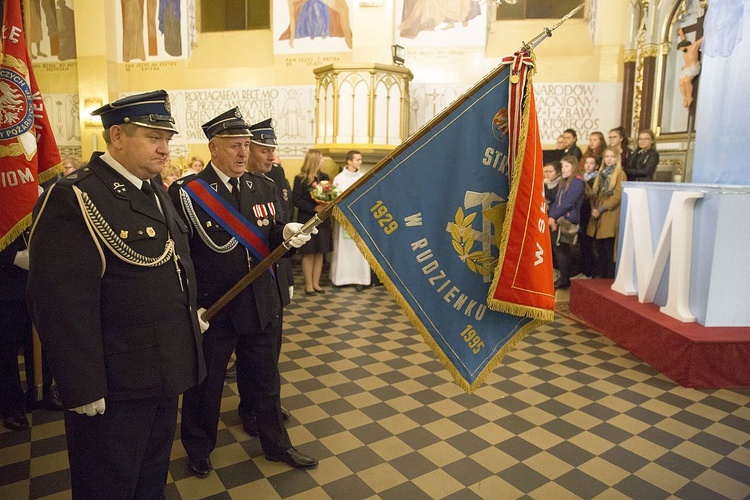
228 218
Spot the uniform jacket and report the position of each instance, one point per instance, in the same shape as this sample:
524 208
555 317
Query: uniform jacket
218 272
284 265
112 329
606 226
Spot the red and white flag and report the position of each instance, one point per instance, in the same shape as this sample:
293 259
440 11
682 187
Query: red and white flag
28 151
523 279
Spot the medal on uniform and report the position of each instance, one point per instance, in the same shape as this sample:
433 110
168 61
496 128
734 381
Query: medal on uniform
266 222
150 231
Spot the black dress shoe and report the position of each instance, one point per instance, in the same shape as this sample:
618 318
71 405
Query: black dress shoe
310 293
16 422
320 292
285 415
52 400
360 287
293 458
232 371
201 468
250 425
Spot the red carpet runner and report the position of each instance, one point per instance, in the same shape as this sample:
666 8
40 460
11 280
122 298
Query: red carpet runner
688 353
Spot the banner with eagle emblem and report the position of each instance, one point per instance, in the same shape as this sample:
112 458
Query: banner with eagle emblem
454 224
28 151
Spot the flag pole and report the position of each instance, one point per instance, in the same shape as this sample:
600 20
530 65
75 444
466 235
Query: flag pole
326 212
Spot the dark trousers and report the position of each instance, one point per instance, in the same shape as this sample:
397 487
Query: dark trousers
14 325
563 255
605 258
123 453
246 408
257 352
586 244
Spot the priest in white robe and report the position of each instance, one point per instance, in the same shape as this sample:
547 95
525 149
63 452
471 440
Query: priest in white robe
348 265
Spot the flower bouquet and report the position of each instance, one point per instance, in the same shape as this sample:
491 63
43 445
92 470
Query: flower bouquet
324 192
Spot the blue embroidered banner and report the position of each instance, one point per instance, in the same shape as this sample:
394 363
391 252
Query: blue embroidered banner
430 222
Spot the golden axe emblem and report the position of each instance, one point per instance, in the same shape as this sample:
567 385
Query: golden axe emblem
465 237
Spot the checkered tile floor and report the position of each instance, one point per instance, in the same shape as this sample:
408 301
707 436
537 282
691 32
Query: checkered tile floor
568 414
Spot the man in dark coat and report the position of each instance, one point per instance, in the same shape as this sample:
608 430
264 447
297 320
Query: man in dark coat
233 222
263 163
112 292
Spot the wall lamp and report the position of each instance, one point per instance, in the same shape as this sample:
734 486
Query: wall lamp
91 104
398 53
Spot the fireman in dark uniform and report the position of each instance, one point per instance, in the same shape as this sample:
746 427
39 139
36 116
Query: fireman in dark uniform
112 292
250 323
262 166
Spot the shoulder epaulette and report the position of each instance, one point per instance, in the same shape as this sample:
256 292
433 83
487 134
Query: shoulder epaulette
74 177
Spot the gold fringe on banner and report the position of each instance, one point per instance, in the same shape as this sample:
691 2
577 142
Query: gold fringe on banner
544 315
415 321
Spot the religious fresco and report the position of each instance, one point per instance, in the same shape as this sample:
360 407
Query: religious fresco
586 107
64 118
153 30
305 26
50 30
292 109
440 23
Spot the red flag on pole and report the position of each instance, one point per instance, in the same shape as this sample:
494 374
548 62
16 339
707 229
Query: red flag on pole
28 151
523 280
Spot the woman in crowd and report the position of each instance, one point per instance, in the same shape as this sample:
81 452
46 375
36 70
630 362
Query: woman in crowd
618 139
320 244
596 145
643 162
605 212
564 217
552 173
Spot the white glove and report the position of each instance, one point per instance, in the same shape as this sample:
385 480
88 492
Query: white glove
91 409
22 259
202 322
297 241
291 292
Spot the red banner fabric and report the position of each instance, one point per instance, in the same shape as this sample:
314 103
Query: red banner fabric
28 151
523 283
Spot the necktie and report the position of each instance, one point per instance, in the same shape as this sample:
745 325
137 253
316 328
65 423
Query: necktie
148 190
235 182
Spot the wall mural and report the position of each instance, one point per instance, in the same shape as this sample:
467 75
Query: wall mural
292 109
303 26
153 30
585 107
63 113
441 23
50 30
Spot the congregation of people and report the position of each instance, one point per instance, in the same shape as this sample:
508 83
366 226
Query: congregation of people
144 231
583 192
